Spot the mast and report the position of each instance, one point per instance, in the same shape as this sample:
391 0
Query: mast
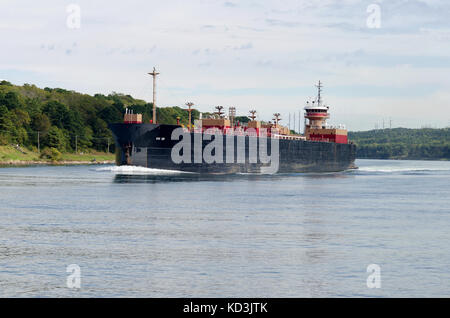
154 74
219 111
189 105
276 118
232 115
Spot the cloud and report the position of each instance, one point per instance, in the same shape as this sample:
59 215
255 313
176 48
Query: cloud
229 4
244 46
263 54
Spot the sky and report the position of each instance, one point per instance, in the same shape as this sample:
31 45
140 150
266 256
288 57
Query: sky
379 61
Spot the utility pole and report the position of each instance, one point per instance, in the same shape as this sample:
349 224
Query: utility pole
76 144
189 105
154 74
289 122
108 145
39 145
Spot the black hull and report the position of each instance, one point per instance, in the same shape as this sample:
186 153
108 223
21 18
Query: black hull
150 145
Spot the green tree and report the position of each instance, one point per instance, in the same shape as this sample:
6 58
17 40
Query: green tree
6 122
57 112
56 139
21 117
85 139
33 106
11 100
40 122
20 136
110 114
5 83
101 133
51 153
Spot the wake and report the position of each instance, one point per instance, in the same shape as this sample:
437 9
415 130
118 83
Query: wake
139 170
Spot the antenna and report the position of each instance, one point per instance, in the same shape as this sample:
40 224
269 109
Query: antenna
294 122
154 74
319 88
299 122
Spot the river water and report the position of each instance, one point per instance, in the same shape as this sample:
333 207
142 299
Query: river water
137 232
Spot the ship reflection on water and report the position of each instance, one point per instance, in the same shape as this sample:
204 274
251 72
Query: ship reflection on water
193 177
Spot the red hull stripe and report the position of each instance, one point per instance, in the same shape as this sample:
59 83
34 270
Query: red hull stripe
340 139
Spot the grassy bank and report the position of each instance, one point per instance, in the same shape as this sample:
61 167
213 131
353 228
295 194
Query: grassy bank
12 156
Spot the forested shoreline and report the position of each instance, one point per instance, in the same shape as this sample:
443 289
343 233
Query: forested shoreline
56 121
403 143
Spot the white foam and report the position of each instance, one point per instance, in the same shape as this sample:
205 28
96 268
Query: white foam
400 169
138 170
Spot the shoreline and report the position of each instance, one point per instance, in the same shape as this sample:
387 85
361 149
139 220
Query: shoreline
10 156
407 159
24 163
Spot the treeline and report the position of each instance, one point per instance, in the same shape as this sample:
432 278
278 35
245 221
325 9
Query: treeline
67 120
403 143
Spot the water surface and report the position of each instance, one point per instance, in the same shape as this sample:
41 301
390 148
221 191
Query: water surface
139 232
